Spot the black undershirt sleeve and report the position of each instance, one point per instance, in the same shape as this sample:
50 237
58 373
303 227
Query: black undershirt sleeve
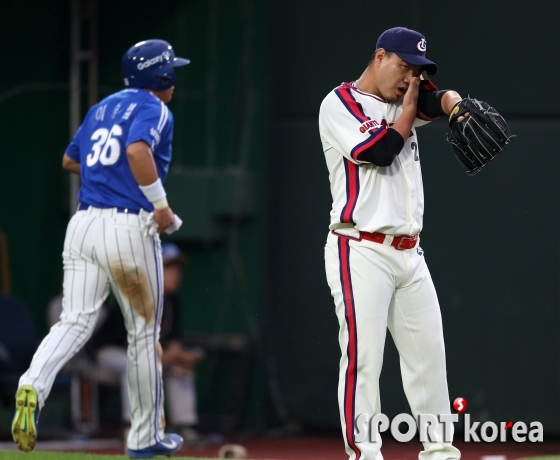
383 152
429 103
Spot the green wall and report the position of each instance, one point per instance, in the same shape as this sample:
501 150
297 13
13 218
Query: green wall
34 130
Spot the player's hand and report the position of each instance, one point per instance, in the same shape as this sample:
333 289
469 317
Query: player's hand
410 98
164 218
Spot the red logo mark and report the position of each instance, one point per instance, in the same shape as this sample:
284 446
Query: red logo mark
460 404
509 424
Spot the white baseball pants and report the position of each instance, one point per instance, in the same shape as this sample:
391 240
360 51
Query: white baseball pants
376 287
105 249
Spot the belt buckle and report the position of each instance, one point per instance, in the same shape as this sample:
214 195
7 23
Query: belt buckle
411 239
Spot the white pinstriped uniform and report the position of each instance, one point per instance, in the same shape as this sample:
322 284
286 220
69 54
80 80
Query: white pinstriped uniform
105 249
374 285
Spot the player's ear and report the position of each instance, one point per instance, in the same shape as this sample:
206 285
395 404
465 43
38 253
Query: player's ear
380 54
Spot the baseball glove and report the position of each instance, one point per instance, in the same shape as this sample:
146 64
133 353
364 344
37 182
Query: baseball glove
479 137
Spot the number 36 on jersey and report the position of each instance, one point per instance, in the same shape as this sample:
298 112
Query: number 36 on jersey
106 146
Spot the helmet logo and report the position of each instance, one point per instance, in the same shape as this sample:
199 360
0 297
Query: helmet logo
163 57
422 45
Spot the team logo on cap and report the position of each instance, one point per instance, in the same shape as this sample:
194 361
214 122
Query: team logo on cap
162 58
422 45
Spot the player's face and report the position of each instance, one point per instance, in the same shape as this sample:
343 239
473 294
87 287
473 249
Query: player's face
166 95
172 276
394 76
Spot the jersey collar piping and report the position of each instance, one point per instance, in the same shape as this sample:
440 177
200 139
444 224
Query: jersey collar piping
350 85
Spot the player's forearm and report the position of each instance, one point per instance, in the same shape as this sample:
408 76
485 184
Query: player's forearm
404 123
142 164
144 171
449 99
70 165
429 103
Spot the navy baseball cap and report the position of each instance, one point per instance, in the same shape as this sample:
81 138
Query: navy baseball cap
409 45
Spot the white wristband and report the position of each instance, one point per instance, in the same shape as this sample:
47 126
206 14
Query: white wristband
161 204
153 192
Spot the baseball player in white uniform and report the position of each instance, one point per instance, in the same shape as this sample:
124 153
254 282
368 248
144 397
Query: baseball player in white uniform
122 152
375 268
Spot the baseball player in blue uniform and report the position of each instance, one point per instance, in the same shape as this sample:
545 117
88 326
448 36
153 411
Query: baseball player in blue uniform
122 152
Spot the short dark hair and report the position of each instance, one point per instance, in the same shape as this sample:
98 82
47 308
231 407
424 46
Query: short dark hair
388 53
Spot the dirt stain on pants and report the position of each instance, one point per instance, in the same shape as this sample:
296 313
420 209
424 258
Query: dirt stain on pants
133 285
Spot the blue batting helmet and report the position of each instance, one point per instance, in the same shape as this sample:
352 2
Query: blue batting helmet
150 64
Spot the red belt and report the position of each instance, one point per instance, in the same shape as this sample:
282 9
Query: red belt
399 242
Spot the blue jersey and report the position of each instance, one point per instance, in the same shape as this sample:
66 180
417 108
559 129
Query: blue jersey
99 145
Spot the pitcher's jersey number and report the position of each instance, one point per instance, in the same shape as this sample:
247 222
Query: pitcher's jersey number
106 146
414 147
